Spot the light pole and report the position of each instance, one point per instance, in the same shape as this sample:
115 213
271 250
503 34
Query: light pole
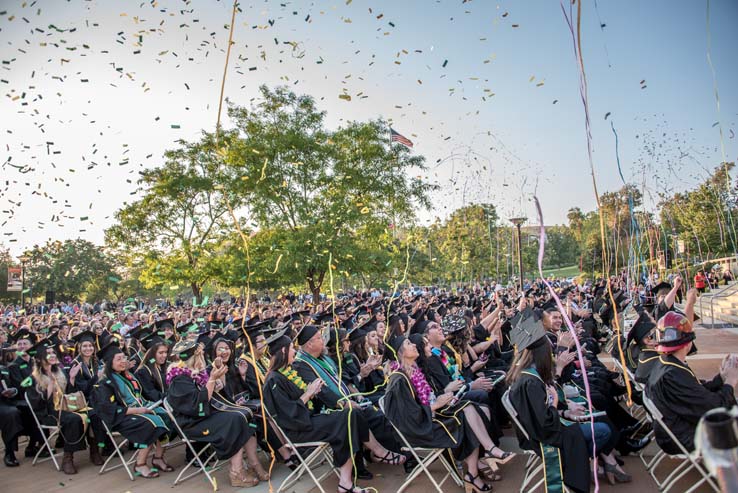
23 259
518 221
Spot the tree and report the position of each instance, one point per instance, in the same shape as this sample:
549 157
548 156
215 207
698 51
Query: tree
180 218
318 191
68 268
6 260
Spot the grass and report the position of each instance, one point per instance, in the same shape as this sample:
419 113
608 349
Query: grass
570 271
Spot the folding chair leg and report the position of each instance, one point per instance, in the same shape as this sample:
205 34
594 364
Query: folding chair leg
421 467
118 452
47 446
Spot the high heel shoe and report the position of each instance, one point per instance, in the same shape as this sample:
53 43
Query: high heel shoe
259 472
471 487
242 479
615 475
495 460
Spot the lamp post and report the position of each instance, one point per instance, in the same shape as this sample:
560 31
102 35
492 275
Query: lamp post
518 221
23 259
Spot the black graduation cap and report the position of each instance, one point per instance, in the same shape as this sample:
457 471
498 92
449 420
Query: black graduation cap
150 339
663 285
306 333
278 341
109 349
184 349
395 344
356 334
453 324
528 332
348 324
550 305
23 333
323 317
368 325
204 339
295 315
641 328
161 324
40 347
419 327
336 333
137 332
238 323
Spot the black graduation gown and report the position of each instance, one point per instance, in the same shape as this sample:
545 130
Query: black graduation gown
683 400
648 359
541 422
20 371
153 386
72 424
86 379
226 431
11 424
140 430
448 428
282 400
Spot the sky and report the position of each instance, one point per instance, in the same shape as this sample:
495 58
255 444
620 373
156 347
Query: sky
95 91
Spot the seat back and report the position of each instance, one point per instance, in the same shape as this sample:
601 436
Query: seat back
658 417
513 413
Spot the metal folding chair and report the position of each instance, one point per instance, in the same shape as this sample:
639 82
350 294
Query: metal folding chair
534 464
118 453
318 453
688 461
425 457
208 452
53 431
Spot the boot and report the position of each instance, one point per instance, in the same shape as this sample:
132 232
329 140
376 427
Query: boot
68 463
95 456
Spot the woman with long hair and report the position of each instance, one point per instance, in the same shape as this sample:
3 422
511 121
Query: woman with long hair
46 394
152 371
117 400
364 346
192 395
547 417
439 421
83 376
289 401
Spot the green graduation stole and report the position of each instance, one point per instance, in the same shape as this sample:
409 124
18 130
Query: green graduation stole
550 456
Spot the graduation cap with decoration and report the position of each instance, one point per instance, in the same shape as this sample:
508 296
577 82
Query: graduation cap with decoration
528 332
185 349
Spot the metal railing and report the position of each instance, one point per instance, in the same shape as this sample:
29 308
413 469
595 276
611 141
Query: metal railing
729 290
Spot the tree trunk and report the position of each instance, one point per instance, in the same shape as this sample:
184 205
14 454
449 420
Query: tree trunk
196 292
315 284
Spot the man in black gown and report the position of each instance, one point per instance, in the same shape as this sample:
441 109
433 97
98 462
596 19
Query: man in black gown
675 390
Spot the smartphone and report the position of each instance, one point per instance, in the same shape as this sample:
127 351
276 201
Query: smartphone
218 363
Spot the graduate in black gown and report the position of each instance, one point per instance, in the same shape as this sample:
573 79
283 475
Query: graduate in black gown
442 421
143 428
49 386
192 397
293 404
151 372
675 390
11 423
19 373
83 377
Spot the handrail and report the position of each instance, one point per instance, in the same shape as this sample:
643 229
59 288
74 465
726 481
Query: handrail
731 289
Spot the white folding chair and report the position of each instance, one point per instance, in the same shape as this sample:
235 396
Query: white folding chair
424 456
208 453
534 465
319 453
688 461
119 442
53 432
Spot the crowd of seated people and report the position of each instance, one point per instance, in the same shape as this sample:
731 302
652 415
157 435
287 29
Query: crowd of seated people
239 378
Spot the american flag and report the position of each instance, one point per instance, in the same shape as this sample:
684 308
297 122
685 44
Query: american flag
397 137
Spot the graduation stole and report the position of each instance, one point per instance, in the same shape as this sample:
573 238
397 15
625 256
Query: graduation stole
451 367
327 371
129 389
290 374
552 468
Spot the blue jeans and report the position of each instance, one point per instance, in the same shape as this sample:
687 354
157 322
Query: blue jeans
601 435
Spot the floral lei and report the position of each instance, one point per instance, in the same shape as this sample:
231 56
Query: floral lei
201 378
293 377
419 382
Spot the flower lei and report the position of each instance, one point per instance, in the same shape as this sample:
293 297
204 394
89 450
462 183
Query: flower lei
422 388
291 375
201 378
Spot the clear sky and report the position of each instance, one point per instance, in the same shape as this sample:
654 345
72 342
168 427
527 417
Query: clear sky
94 91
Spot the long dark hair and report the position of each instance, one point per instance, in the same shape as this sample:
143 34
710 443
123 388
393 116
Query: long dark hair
280 359
540 357
358 347
149 361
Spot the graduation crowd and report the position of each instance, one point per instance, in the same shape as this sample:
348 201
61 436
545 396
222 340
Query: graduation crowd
436 364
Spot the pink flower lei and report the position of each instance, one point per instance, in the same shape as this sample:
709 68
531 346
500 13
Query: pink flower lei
419 382
201 378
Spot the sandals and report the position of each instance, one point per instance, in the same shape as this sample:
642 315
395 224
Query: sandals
471 487
390 458
153 473
504 458
243 479
161 464
261 475
489 474
292 462
352 489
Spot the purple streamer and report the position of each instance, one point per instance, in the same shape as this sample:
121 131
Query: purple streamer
541 250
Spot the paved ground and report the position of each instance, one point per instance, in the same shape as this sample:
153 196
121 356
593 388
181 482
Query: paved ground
713 345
